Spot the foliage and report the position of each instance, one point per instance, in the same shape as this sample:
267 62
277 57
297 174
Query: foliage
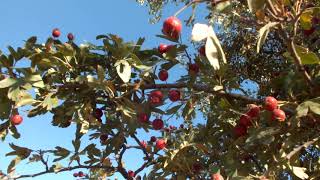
273 44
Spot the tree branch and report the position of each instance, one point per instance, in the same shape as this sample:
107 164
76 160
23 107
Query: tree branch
298 63
200 87
65 169
120 168
143 149
299 148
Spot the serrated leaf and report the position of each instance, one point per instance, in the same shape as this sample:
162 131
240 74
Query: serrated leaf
62 152
263 34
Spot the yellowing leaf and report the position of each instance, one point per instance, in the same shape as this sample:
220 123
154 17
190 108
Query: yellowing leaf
199 32
212 54
216 42
299 172
123 70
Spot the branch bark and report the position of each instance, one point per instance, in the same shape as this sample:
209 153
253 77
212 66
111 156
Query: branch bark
200 87
63 170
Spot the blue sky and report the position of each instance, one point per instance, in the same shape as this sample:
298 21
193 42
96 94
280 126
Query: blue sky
85 19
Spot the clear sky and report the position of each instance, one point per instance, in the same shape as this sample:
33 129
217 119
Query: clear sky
86 19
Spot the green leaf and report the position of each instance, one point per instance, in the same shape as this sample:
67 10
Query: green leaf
263 34
8 82
262 135
22 152
312 105
14 132
307 57
62 152
13 164
35 80
306 20
5 106
173 109
34 158
31 41
101 73
26 99
255 5
168 38
50 102
13 52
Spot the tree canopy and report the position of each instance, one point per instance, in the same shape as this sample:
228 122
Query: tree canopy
254 79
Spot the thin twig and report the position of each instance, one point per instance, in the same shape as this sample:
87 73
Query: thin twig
299 148
298 63
63 170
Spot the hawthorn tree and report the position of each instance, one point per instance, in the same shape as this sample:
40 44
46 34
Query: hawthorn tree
268 132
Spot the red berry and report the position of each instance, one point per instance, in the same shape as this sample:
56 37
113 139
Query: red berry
239 131
270 103
153 139
202 51
310 31
131 174
254 111
81 174
181 126
172 127
174 95
161 144
245 121
163 75
103 137
278 114
216 176
70 37
16 119
98 113
194 68
144 144
75 174
172 27
157 124
164 48
143 118
56 32
156 97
